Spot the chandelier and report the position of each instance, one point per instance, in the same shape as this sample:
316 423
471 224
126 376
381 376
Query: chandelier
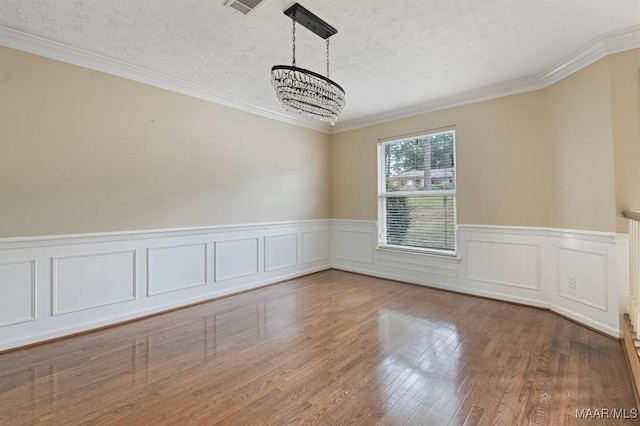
302 91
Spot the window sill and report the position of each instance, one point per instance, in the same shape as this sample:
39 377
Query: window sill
445 255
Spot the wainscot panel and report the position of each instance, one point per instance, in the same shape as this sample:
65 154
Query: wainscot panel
237 258
86 281
60 285
315 245
172 268
571 272
280 251
584 279
18 290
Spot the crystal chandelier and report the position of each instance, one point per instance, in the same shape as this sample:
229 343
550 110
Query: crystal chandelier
302 91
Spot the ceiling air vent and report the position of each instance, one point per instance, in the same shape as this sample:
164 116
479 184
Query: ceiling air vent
243 6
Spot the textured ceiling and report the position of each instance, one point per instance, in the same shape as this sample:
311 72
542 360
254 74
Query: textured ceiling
387 54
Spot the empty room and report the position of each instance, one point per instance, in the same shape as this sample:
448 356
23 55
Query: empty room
244 212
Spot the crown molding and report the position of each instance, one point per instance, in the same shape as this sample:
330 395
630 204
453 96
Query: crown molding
478 95
599 47
41 46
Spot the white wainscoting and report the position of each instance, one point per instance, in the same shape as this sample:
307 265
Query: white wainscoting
18 290
532 266
237 258
55 286
280 251
315 246
177 267
88 281
589 261
59 285
504 263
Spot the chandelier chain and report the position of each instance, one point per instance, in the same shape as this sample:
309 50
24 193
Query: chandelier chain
293 39
328 58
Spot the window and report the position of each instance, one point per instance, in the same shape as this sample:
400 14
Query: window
421 216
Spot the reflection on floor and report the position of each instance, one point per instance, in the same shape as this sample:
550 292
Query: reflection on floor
330 348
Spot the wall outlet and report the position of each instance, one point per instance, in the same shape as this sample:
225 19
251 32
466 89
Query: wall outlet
572 281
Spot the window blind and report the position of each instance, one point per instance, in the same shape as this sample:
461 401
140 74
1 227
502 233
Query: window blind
417 196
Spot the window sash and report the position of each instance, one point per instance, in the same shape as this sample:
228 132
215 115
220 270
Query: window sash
436 193
412 229
434 242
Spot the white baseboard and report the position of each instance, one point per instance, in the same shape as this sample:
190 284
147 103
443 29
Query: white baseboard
453 288
531 266
596 325
61 285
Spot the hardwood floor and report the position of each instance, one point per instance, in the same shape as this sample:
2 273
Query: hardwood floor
328 348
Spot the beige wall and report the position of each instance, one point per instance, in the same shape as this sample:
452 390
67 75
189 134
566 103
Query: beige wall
624 74
565 156
82 151
501 154
581 178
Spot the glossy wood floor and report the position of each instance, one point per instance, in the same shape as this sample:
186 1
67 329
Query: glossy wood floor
329 348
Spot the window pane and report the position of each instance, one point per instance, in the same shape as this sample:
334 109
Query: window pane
425 222
420 164
424 166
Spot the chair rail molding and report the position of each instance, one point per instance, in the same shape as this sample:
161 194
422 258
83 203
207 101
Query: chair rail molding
54 286
576 273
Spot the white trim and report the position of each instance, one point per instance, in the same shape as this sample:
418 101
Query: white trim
598 307
598 236
430 193
52 320
320 258
218 243
603 254
34 296
538 282
354 222
597 325
150 250
445 254
265 254
31 43
44 335
478 95
367 254
599 47
43 240
54 280
418 267
454 288
384 194
417 135
428 270
622 238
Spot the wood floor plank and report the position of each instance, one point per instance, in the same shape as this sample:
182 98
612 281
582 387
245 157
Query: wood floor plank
328 348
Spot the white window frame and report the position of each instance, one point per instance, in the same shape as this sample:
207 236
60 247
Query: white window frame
383 195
